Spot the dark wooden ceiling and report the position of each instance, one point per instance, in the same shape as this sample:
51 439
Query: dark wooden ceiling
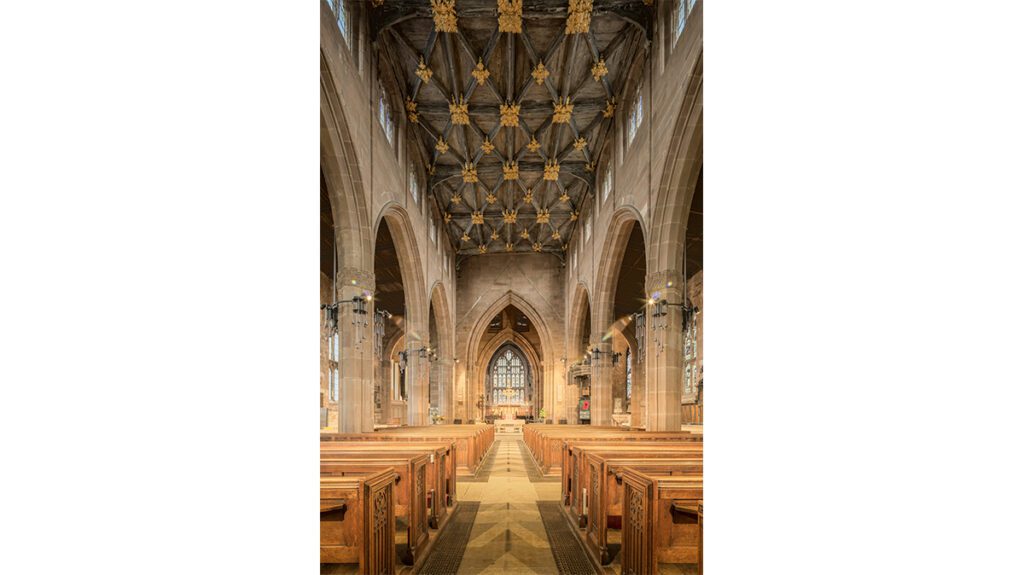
405 32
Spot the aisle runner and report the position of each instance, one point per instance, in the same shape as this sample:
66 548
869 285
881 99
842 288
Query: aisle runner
444 559
570 558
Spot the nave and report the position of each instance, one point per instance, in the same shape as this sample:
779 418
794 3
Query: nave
554 501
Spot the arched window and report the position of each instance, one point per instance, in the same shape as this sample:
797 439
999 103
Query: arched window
508 378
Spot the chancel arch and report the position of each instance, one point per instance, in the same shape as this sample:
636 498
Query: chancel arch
508 324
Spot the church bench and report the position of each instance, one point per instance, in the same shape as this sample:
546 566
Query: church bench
357 521
571 465
550 446
471 441
579 477
602 500
410 493
657 526
441 477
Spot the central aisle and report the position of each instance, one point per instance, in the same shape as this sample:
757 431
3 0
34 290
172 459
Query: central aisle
508 535
503 528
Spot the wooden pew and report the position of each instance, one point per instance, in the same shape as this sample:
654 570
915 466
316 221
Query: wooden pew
357 521
441 478
574 471
410 500
604 496
548 445
650 535
472 441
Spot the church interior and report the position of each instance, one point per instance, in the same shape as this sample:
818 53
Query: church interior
511 286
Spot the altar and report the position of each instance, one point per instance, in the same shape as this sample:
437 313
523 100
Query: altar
509 425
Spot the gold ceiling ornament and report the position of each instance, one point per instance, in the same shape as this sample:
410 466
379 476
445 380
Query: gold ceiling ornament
540 73
508 247
524 234
648 2
457 198
377 3
534 145
508 216
573 216
609 109
509 115
445 18
465 237
460 111
432 170
564 197
477 218
487 147
491 198
565 247
537 247
543 216
551 168
447 217
580 143
469 173
510 16
599 70
495 235
528 197
510 170
423 72
441 146
480 73
555 235
410 106
563 111
482 248
589 166
578 21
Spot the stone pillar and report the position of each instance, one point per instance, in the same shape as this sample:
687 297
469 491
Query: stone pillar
445 388
417 381
664 369
601 383
461 402
638 401
356 360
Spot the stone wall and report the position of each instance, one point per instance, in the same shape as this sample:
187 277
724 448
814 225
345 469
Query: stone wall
486 285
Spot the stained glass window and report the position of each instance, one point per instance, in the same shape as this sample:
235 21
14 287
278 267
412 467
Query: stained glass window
508 379
384 115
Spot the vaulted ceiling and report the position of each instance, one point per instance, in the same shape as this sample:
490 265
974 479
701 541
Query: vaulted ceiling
510 104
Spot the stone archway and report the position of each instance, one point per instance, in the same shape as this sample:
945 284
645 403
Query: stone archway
474 371
416 311
442 367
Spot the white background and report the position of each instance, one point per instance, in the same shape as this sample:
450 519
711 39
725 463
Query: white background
158 248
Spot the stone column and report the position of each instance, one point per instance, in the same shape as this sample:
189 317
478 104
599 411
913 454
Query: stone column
356 360
638 400
664 369
601 383
417 381
445 388
461 402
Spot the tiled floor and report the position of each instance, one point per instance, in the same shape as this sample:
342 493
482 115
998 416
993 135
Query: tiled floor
508 535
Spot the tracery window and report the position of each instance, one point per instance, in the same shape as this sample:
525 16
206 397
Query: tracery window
636 117
629 375
338 7
414 187
690 354
384 114
508 379
333 372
